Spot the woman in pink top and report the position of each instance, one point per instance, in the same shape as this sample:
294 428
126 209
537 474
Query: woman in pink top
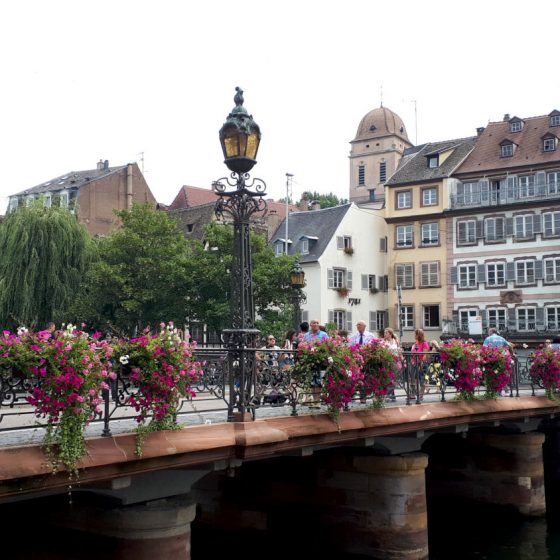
420 363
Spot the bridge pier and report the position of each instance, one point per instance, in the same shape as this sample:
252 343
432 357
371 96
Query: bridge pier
376 505
496 468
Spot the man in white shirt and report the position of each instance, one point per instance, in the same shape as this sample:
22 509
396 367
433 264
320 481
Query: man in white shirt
361 336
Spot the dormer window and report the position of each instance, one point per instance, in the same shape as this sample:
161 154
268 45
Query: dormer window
549 143
433 161
515 125
305 246
554 118
507 148
280 247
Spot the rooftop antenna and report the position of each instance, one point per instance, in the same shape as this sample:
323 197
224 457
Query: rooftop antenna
288 195
381 94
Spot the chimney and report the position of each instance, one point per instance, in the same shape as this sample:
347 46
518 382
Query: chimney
100 165
479 130
106 164
506 117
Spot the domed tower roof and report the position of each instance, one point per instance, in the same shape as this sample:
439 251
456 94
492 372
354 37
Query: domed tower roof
381 122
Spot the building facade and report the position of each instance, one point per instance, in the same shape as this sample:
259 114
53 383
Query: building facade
342 251
416 197
504 231
93 194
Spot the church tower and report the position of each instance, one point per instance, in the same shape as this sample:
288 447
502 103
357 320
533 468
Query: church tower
375 153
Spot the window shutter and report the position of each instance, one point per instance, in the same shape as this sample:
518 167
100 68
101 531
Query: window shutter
537 223
453 275
539 270
364 281
383 244
349 321
509 227
511 184
373 280
330 278
539 317
339 242
305 316
484 316
512 319
372 318
479 229
385 283
349 279
510 271
455 317
331 316
541 179
381 283
481 273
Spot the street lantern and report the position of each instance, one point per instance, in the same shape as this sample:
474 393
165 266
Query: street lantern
240 137
297 281
297 276
240 196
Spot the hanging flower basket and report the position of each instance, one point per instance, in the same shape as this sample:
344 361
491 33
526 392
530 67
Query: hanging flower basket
545 370
379 369
342 292
496 365
461 362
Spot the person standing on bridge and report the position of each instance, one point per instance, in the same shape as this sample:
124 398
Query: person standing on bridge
494 339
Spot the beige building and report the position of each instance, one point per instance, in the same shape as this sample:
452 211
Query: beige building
375 153
416 196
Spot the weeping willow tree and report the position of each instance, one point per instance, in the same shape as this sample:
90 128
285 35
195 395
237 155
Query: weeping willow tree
45 252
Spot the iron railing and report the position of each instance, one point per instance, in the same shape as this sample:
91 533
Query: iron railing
275 390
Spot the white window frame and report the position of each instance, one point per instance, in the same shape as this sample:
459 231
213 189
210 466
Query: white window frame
549 144
466 276
407 316
526 188
551 224
429 196
523 226
555 120
432 235
553 182
464 315
404 275
525 272
469 237
339 318
405 236
495 272
470 193
515 126
339 278
526 318
429 274
551 270
491 229
404 199
552 317
279 248
497 318
380 321
305 246
506 150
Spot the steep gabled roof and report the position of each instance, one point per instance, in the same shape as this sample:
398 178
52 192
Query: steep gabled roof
414 167
314 224
71 180
486 155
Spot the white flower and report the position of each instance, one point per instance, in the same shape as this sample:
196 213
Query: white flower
330 360
22 330
525 345
123 360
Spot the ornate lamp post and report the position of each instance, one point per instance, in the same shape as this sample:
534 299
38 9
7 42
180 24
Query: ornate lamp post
240 137
297 281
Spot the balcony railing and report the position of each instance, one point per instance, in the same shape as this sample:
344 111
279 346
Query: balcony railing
506 195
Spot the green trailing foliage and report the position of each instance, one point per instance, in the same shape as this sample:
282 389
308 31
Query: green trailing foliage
45 253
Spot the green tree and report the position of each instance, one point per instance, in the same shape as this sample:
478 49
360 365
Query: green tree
209 299
141 277
325 200
45 253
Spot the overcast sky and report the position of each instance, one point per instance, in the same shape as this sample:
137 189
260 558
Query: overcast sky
88 80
